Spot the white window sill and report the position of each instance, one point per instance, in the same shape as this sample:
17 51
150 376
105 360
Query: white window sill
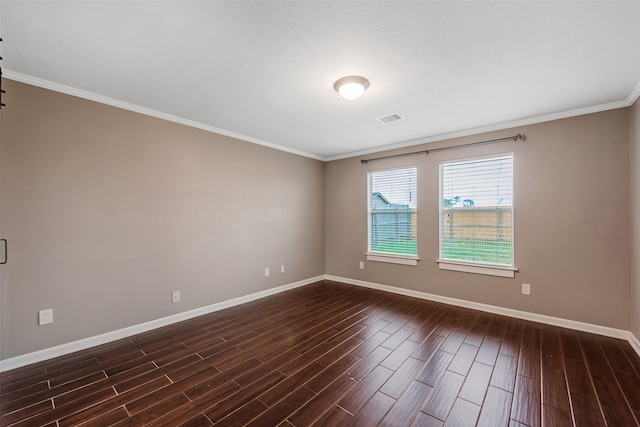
393 259
465 267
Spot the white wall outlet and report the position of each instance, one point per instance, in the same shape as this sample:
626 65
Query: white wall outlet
282 268
45 316
526 289
175 296
266 272
361 265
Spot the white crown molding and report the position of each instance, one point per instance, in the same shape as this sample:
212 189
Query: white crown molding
35 81
83 344
45 84
634 95
492 128
533 317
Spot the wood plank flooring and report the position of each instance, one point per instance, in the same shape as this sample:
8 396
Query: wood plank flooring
331 354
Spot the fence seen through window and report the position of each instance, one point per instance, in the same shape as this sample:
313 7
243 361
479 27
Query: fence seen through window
476 211
393 211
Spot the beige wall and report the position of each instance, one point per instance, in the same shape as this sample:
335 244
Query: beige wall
108 211
571 221
635 217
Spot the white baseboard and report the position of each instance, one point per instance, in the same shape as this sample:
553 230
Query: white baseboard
540 318
633 340
49 353
83 344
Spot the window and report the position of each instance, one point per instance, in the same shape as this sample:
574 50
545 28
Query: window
392 212
476 215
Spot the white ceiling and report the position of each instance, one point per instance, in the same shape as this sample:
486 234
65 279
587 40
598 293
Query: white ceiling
264 71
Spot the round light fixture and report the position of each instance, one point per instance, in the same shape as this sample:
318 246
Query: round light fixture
351 87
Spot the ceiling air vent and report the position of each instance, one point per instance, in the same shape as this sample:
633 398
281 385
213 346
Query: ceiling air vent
390 118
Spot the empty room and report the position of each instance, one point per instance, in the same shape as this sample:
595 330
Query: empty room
320 213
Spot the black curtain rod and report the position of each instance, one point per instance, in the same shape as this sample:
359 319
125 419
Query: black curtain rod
517 137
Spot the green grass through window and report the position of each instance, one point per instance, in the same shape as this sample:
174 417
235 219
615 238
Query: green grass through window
399 247
477 251
460 250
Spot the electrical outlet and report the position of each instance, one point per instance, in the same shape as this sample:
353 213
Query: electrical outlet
175 296
282 268
526 289
361 265
45 316
266 272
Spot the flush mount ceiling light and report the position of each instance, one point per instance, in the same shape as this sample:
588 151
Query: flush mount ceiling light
351 87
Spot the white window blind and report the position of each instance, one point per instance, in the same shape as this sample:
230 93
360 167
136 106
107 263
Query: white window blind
476 211
393 212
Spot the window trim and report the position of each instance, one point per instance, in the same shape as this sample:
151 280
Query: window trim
470 266
392 258
387 257
477 268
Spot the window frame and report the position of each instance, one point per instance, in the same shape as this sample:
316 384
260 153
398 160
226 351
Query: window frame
388 257
476 267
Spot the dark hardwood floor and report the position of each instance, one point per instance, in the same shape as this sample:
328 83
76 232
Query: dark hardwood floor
330 354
